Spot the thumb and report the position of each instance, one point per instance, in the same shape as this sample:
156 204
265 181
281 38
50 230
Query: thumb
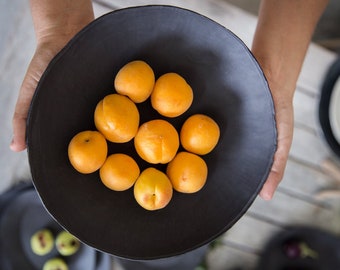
34 72
21 111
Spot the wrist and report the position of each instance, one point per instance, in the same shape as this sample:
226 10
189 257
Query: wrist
59 33
281 79
58 21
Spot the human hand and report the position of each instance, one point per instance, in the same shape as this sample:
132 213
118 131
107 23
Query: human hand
43 55
55 23
280 46
284 116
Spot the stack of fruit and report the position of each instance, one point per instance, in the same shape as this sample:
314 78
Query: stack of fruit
43 242
156 141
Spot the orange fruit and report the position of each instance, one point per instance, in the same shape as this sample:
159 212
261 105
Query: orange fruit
153 189
187 172
171 95
117 118
87 151
199 134
157 141
135 80
119 172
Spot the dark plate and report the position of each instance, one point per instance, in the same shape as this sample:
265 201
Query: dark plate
21 217
323 255
328 107
228 85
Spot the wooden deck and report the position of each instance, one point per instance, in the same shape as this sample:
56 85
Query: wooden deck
311 163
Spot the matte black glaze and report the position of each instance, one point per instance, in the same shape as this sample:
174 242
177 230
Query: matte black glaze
228 85
327 89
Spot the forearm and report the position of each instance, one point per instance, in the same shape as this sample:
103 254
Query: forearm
60 19
283 33
281 40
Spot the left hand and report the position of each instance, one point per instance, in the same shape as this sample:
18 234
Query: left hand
284 115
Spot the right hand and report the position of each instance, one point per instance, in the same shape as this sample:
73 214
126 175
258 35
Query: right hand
43 55
55 23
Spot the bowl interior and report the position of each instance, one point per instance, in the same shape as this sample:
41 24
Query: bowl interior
228 85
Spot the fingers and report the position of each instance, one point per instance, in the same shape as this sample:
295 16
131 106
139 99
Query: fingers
21 110
35 70
18 142
275 175
285 125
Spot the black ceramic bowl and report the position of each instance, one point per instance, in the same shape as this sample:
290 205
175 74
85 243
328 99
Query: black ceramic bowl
329 113
22 215
301 248
228 85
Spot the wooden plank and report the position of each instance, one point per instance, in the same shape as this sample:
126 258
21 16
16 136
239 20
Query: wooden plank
305 110
285 210
304 181
251 233
331 167
331 193
315 67
308 147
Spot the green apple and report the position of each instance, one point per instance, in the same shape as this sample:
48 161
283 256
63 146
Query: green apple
55 264
67 244
42 242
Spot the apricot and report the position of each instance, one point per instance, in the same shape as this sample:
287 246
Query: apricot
87 151
157 141
172 95
117 118
187 172
153 189
119 172
199 134
136 80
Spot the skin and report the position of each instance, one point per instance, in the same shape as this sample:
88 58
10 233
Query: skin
280 43
55 23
